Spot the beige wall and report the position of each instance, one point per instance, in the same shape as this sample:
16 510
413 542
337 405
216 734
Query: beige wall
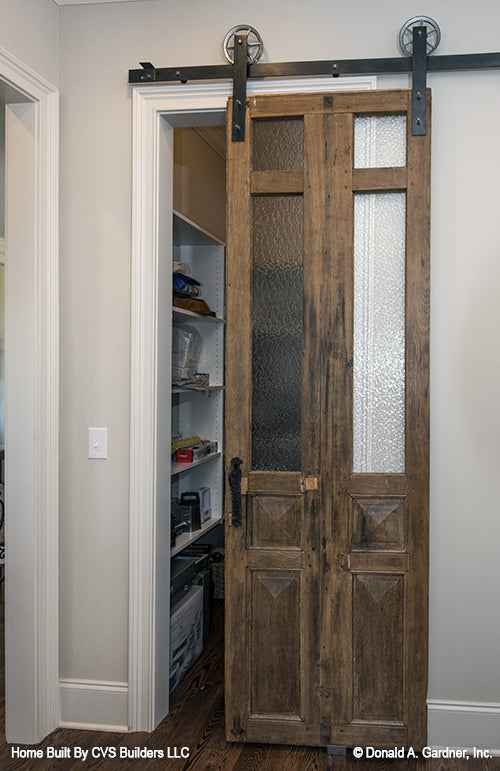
99 43
29 31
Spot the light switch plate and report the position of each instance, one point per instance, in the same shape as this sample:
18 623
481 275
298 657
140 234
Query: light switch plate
98 443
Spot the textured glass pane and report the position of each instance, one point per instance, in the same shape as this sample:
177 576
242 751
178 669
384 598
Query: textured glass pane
379 332
278 144
277 333
379 140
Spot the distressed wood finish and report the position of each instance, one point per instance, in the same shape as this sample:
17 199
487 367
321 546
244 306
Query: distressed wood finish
387 180
238 379
378 687
362 102
290 482
417 419
266 182
327 576
337 442
378 484
379 562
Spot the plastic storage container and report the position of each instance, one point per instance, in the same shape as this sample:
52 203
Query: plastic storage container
186 349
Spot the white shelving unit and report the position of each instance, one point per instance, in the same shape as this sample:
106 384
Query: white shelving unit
195 413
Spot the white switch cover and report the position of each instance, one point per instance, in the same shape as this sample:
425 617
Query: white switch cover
98 443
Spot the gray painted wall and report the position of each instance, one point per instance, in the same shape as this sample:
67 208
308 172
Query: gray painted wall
29 31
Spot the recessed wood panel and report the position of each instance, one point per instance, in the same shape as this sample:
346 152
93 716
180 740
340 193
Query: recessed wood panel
378 523
276 520
378 646
275 622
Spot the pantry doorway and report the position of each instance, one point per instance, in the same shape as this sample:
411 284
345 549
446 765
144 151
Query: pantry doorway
157 109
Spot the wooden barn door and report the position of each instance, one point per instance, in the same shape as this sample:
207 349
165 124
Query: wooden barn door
327 407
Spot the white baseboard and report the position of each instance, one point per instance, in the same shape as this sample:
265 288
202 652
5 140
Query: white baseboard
464 725
101 706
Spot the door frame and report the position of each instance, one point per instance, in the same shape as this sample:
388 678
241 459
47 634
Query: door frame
188 105
32 411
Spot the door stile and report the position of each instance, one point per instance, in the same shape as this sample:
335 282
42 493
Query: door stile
337 441
417 424
238 379
313 409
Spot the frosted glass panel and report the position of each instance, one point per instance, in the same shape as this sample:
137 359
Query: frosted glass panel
379 140
277 144
277 333
379 332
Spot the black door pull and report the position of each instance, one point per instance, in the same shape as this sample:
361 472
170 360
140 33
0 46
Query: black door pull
234 478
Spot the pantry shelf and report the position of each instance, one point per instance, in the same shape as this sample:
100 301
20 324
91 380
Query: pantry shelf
185 539
186 390
181 313
179 468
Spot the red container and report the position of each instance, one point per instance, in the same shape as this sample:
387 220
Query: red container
184 455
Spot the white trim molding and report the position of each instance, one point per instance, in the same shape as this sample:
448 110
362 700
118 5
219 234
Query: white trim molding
94 706
187 105
33 711
464 725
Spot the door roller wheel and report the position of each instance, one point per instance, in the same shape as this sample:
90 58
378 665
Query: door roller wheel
255 45
406 34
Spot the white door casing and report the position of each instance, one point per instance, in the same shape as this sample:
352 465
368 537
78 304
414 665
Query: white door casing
32 402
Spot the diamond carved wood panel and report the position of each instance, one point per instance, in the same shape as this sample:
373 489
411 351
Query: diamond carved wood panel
378 670
378 523
276 521
275 642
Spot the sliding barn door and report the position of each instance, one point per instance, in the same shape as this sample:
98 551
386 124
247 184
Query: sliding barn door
327 407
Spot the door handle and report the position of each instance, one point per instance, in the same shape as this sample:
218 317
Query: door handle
234 479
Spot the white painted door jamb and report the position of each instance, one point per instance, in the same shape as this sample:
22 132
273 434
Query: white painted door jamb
32 403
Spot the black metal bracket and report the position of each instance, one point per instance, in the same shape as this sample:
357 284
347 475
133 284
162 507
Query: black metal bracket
149 72
418 65
336 749
419 81
240 68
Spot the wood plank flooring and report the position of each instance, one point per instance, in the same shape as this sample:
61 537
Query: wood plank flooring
196 721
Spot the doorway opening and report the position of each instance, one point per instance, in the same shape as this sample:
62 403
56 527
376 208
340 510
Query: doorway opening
197 393
157 111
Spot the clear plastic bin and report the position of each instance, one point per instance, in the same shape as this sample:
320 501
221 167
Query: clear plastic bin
186 349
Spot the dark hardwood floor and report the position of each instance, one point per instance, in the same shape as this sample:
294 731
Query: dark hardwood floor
196 721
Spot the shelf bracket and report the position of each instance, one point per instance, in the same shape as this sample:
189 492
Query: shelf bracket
419 82
240 71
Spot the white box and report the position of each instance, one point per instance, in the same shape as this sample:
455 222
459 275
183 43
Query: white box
186 634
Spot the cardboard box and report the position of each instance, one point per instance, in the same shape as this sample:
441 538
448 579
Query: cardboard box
186 634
